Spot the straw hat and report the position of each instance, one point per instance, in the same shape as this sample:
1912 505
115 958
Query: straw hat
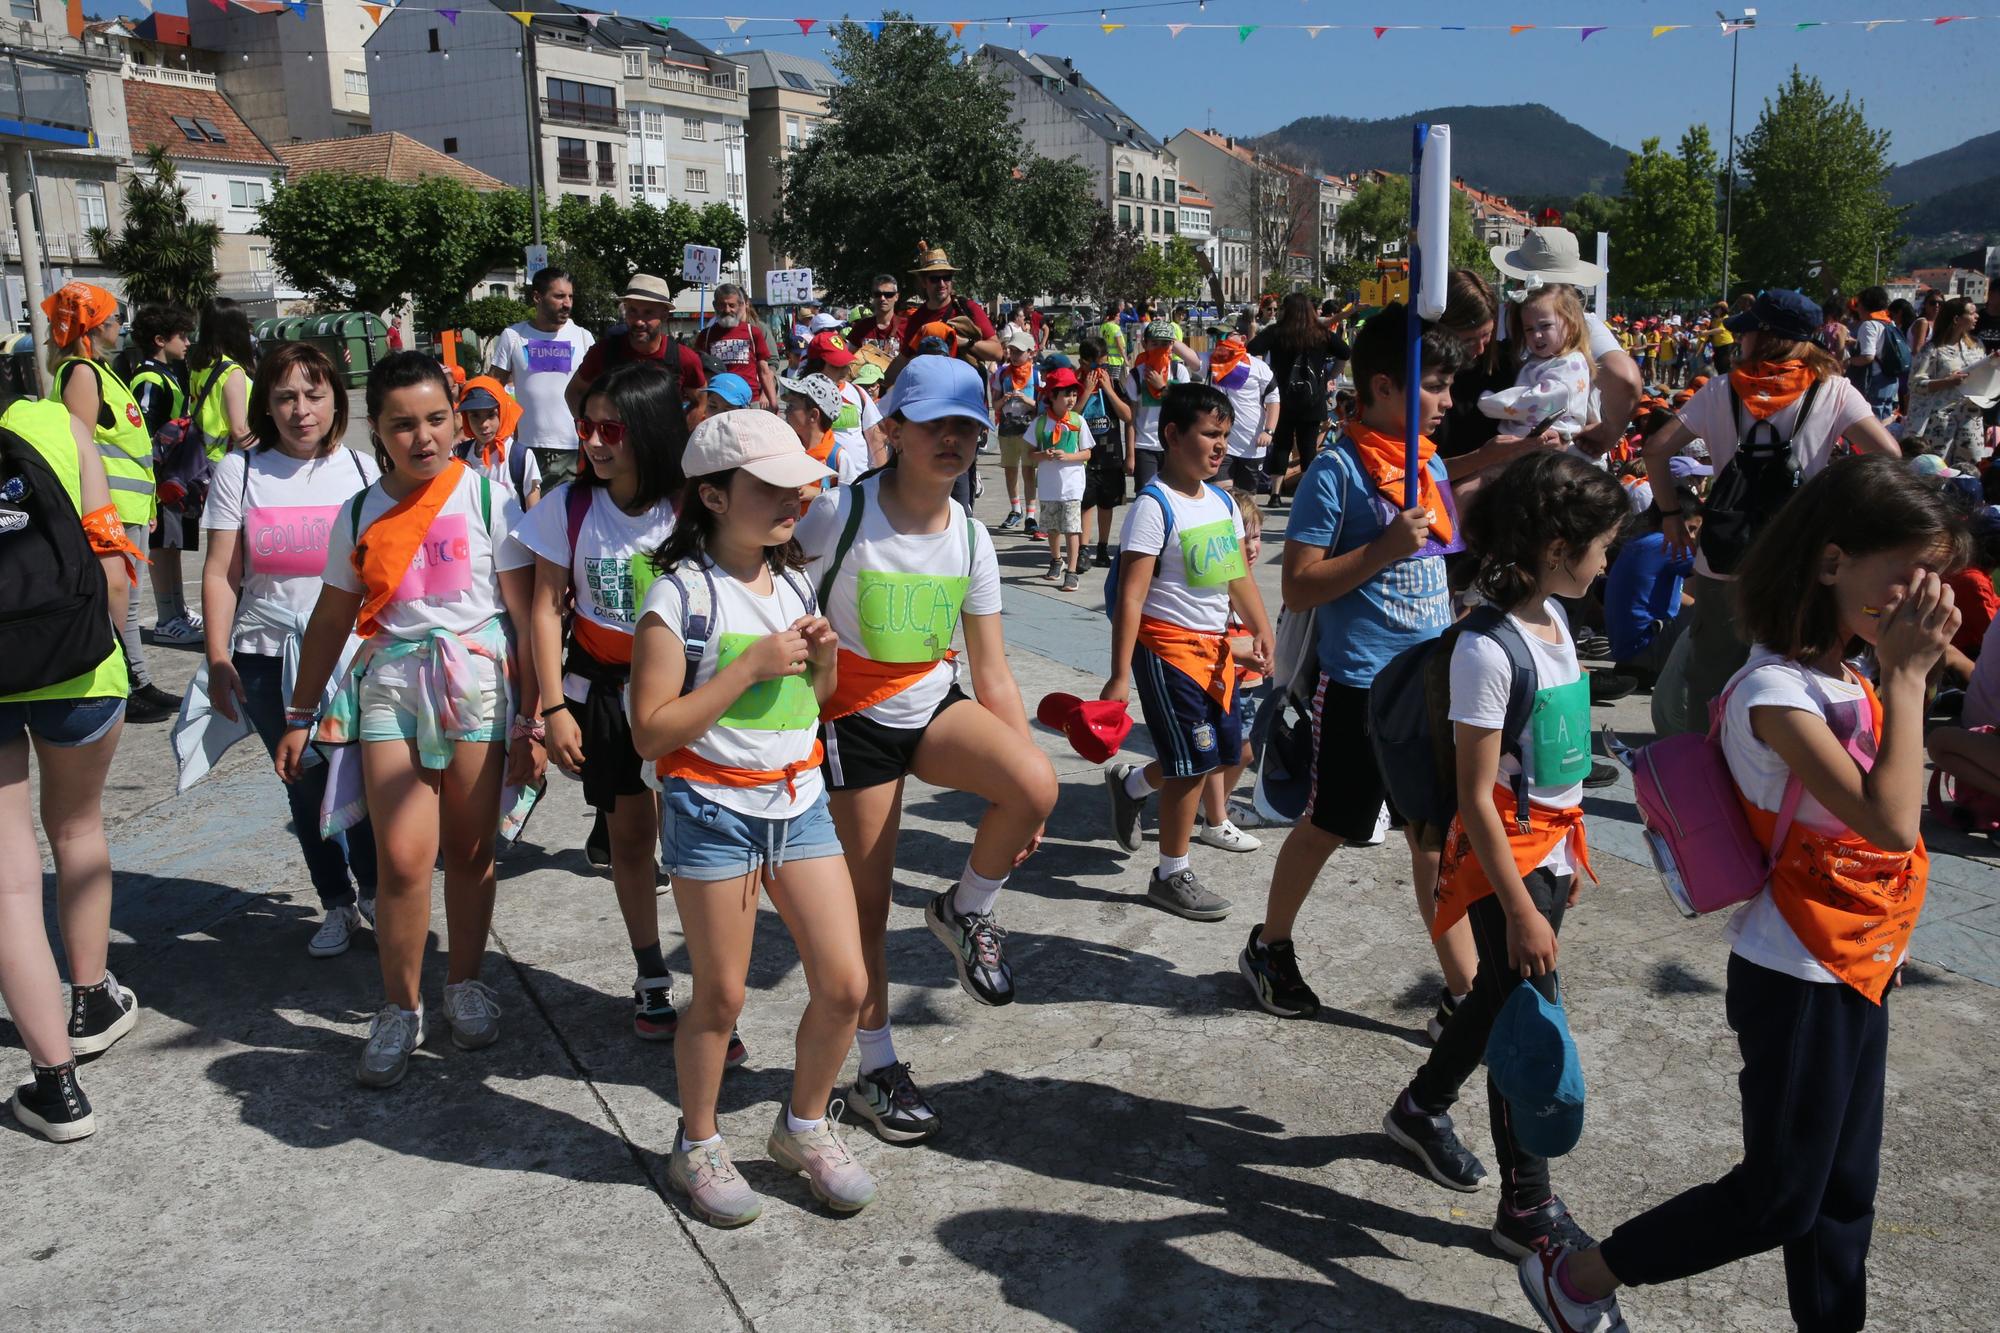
931 259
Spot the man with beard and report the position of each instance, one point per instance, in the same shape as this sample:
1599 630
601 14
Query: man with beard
738 342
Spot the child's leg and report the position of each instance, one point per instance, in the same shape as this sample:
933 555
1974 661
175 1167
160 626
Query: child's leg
718 920
1455 953
1075 543
1028 482
169 601
868 820
1013 473
1055 545
73 820
28 979
1105 515
817 904
968 749
403 807
471 785
1971 757
1179 798
634 825
1524 1177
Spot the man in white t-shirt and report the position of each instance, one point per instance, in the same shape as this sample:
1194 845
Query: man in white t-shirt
536 359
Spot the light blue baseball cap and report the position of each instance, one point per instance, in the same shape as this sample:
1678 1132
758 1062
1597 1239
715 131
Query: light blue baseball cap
933 387
731 389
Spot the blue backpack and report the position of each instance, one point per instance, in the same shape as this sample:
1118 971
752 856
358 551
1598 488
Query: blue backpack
1113 571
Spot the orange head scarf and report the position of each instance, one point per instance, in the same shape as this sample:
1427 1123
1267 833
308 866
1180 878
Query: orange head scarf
510 417
1386 458
74 311
1155 369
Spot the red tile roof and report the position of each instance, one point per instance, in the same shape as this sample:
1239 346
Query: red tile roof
392 155
150 109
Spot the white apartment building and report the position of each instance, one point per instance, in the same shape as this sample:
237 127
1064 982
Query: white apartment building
292 76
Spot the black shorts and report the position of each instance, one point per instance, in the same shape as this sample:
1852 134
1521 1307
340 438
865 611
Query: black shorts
1243 475
1104 477
1347 789
1146 467
861 752
611 765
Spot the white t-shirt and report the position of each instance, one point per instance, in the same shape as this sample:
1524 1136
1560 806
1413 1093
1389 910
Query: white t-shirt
1198 559
607 570
1602 339
1982 694
285 508
913 587
453 582
771 724
1247 401
858 414
1064 480
1145 415
539 365
1758 930
501 473
1839 407
1555 743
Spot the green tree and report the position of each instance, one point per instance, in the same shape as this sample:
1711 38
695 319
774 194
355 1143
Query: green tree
639 238
491 316
1591 213
921 146
1811 192
1173 270
1378 215
160 251
1108 264
1668 245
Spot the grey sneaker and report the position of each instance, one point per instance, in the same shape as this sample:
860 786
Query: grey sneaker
178 631
1183 895
1056 571
716 1191
472 1011
837 1180
1125 810
1071 582
391 1037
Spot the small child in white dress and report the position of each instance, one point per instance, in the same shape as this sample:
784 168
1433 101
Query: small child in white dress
1554 380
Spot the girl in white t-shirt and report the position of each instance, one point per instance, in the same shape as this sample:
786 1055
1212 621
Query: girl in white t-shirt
899 568
1541 530
592 544
1831 771
418 564
731 663
270 512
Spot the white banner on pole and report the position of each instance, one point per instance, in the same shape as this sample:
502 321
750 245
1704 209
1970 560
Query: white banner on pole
1434 223
537 259
788 286
1603 273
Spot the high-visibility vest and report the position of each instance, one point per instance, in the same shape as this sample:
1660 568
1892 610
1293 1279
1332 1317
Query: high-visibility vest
167 380
125 445
213 420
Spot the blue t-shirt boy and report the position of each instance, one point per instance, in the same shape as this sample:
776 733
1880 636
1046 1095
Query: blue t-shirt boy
1642 592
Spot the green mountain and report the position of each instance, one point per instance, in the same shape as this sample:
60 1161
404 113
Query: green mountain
1519 151
1963 210
1974 160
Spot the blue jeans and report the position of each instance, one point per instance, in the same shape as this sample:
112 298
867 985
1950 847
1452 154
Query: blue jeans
328 863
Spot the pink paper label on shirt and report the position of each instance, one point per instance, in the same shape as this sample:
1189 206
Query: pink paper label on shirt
287 541
442 566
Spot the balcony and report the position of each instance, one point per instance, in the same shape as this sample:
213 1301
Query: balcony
48 105
607 173
594 115
573 170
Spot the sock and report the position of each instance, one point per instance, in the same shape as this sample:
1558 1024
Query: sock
651 962
688 1145
975 894
794 1125
1407 1105
1013 504
1171 865
417 1012
1569 1288
1136 785
877 1046
1458 999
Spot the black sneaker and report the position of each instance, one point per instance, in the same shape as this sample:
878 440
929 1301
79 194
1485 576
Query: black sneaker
1435 1142
53 1105
1033 531
1593 646
1601 775
1125 809
141 707
1273 973
1103 553
1083 560
99 1015
889 1101
654 1017
1447 1006
1520 1234
974 942
1606 688
597 847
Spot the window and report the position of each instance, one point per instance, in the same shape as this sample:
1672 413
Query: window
1125 182
1170 192
635 64
1170 221
725 78
656 125
24 10
652 177
246 194
434 39
450 144
791 131
497 289
1125 215
260 259
735 185
797 80
635 176
90 204
572 160
208 128
583 103
189 130
692 128
1156 189
695 179
356 81
1156 212
607 167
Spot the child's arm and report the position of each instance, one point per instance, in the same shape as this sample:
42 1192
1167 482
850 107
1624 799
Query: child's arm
1248 603
1531 942
665 720
526 764
822 652
1313 577
545 616
326 634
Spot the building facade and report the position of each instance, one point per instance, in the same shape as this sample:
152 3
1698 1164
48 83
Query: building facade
788 100
292 75
1271 209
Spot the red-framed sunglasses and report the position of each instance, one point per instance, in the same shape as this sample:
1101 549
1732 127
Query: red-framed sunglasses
611 432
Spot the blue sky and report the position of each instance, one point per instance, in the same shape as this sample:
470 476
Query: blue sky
1930 87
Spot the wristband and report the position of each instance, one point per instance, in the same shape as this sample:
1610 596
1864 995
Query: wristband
305 723
523 729
552 709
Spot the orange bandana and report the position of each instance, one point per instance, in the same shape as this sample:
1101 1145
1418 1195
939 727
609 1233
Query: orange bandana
1462 881
1204 659
74 311
1229 354
689 766
107 537
1155 371
493 454
1768 387
1386 458
390 543
863 682
1018 376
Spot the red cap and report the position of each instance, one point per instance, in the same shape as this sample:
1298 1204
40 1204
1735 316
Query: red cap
1095 729
1062 377
829 347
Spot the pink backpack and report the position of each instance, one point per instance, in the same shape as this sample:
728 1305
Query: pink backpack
1700 839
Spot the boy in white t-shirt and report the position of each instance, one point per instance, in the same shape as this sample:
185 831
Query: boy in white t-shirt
1061 444
1162 361
1182 570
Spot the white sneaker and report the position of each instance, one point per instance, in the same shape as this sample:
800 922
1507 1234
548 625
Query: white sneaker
385 1058
335 933
1381 833
179 631
1559 1312
472 1012
1245 816
1228 837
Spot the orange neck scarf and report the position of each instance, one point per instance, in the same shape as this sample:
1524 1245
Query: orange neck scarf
1881 315
387 546
1229 354
1768 387
1155 371
491 455
1386 457
1018 376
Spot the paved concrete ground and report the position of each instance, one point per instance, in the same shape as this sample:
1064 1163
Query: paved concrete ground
1131 1144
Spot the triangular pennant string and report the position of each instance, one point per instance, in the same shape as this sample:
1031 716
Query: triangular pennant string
1801 27
1035 29
448 15
1588 33
1872 24
592 19
1379 32
526 17
1517 29
222 5
298 7
1665 28
805 25
958 28
734 24
1110 28
374 12
874 30
1314 32
1176 29
1243 32
1953 18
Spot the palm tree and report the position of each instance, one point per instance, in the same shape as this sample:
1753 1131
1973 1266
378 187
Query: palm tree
162 253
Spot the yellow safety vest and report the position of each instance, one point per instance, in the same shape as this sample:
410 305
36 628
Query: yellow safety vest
44 424
125 444
213 419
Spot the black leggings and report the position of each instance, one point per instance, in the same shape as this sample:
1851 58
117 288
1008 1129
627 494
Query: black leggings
1297 437
1524 1177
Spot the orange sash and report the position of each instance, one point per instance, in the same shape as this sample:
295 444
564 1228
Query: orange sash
1462 881
1851 904
863 682
1768 387
686 764
1202 658
609 646
387 545
1387 458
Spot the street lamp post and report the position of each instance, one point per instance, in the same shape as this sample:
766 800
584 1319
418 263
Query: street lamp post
1734 27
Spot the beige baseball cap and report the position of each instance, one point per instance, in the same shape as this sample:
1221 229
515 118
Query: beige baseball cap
758 442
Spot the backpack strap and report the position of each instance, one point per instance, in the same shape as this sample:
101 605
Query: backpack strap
576 507
1805 410
517 469
803 590
697 620
849 530
486 504
1491 623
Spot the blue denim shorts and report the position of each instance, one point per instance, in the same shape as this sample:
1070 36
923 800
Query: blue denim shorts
701 840
63 723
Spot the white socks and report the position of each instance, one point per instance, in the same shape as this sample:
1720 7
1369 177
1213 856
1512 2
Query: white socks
1136 785
1171 865
688 1145
878 1048
794 1125
975 894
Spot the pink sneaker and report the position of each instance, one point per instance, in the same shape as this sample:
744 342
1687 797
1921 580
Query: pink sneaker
715 1190
837 1180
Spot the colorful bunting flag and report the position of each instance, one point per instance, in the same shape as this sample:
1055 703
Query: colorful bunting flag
374 12
874 30
1176 29
805 26
958 28
1939 23
526 17
222 5
1035 29
1519 28
1587 33
1379 32
1873 24
298 7
1314 32
1665 28
1801 27
1110 28
664 22
734 24
1244 30
448 15
592 20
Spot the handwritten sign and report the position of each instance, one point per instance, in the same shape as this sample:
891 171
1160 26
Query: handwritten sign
788 286
701 264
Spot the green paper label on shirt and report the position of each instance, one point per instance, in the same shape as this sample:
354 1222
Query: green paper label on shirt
1561 729
1212 554
785 704
908 617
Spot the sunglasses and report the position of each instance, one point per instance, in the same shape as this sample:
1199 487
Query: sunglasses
937 277
886 296
612 433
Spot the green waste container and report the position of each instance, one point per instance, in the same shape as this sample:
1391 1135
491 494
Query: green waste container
353 339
